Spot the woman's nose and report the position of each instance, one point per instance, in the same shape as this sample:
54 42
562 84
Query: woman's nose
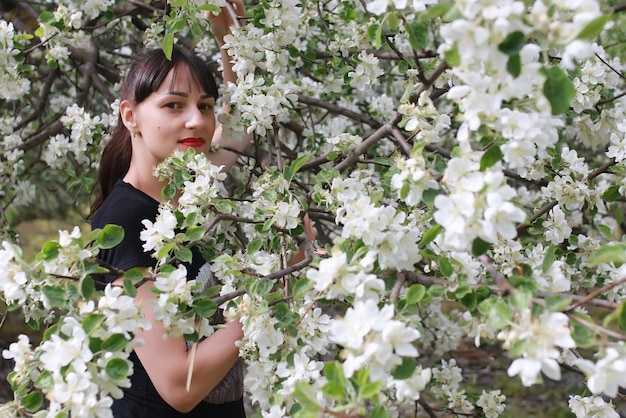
195 117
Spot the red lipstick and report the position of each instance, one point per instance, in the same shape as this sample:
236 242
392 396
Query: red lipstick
192 142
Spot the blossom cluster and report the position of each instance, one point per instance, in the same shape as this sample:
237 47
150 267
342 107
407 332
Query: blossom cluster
464 165
12 84
75 376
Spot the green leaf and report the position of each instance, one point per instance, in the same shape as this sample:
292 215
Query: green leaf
334 389
500 314
405 370
436 290
92 322
379 412
430 235
164 251
521 299
549 258
183 254
418 34
210 8
302 286
261 287
435 11
558 89
205 308
611 194
45 381
285 315
54 329
326 176
452 14
334 372
195 233
223 205
298 163
87 286
306 396
408 92
33 401
177 24
582 336
479 247
594 27
557 303
513 43
56 295
49 251
168 45
134 274
605 230
168 192
46 17
129 287
490 157
115 342
469 300
117 368
415 293
608 254
254 246
375 34
514 66
267 225
371 389
110 236
621 315
452 56
445 267
462 290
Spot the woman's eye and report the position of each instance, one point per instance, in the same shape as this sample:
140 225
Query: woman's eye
172 105
205 106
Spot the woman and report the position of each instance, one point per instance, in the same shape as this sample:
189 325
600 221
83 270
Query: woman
167 105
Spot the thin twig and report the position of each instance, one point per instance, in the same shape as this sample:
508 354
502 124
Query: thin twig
610 333
427 408
192 360
397 287
504 286
401 141
596 293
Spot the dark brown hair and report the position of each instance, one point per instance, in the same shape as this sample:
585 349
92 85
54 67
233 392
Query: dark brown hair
144 76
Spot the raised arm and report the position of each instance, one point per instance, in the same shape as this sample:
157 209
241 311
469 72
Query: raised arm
220 27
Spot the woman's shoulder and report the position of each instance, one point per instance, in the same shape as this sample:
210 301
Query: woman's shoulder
124 205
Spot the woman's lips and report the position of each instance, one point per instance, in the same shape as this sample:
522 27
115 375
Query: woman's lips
192 142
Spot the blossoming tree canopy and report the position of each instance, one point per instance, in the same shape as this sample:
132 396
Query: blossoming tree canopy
462 162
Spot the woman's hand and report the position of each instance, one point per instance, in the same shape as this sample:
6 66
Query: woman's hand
221 23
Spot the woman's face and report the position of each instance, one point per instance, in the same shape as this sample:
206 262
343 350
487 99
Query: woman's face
180 114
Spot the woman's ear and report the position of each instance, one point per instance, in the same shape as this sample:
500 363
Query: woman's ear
127 112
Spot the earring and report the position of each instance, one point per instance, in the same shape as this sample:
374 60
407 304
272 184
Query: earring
133 134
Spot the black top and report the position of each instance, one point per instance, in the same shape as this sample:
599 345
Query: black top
127 206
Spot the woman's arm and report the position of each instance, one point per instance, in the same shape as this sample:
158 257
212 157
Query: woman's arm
166 360
220 27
